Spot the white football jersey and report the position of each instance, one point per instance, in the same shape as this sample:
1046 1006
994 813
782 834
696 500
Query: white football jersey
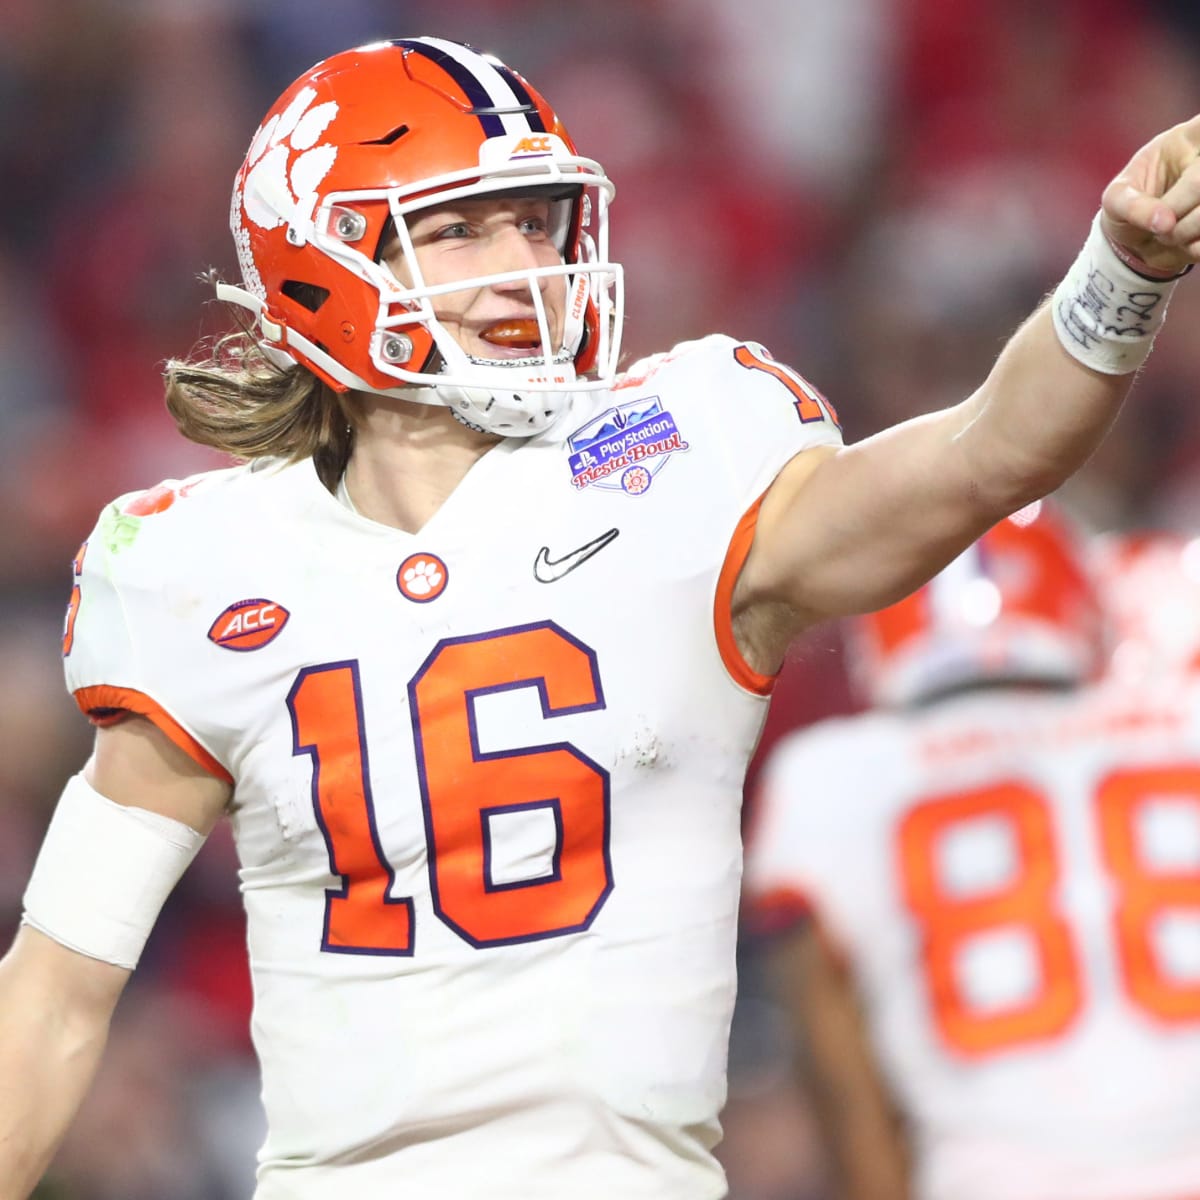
487 782
1013 879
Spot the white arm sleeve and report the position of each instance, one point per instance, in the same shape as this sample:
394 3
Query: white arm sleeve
103 874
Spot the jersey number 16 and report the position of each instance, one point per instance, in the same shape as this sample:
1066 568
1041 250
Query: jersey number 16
463 790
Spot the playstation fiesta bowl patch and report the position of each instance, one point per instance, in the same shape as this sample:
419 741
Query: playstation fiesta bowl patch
623 448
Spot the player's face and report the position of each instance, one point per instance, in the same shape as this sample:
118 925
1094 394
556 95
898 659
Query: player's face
470 238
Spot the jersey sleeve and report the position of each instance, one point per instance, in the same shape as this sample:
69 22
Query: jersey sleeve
756 411
115 656
777 414
742 417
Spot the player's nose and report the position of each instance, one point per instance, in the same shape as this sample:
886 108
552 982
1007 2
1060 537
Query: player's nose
513 251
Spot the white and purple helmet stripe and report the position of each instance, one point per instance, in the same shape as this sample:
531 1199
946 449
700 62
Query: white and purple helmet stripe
498 98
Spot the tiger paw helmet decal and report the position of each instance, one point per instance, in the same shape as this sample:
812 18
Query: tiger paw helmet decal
285 167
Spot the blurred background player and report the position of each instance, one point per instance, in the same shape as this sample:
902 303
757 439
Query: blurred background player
983 895
1150 583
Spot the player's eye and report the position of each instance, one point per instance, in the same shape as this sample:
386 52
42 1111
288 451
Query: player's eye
535 221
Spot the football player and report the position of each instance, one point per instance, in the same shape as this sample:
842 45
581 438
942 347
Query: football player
1150 580
981 897
474 646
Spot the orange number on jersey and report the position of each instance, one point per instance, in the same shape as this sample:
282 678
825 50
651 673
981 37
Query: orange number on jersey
810 404
361 918
464 789
1146 894
1025 902
68 641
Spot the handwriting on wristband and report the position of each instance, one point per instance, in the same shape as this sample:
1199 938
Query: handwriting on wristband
1103 309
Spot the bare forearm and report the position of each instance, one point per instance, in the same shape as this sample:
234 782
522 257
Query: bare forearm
900 505
1057 387
866 1142
41 1092
1036 420
49 1049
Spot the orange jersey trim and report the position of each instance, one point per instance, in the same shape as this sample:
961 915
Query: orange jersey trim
105 705
735 558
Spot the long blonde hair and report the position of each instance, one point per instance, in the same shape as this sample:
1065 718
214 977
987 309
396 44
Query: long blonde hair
234 399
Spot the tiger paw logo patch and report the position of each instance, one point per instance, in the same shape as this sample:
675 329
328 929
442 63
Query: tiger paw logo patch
422 577
248 625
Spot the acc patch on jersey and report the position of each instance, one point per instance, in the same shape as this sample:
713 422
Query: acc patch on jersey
248 625
623 448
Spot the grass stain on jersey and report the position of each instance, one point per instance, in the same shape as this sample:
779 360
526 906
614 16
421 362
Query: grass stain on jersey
118 530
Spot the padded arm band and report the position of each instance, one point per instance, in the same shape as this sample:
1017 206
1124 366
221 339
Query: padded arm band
103 874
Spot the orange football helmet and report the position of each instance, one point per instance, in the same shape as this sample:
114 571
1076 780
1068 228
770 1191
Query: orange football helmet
353 147
1019 605
1150 580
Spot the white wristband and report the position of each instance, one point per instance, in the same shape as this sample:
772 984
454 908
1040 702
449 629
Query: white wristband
1105 313
103 873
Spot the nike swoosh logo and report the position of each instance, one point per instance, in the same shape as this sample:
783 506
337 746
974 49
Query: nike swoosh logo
547 569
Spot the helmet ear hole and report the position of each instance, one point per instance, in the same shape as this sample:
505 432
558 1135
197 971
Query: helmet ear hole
307 295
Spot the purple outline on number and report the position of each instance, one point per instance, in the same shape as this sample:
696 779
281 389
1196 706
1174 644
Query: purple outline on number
555 806
469 696
332 894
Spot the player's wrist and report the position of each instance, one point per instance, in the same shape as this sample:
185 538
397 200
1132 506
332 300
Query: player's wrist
1109 306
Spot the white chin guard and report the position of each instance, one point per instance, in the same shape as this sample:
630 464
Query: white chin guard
500 405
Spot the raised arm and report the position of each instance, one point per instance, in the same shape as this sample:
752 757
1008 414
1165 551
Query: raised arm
850 530
60 981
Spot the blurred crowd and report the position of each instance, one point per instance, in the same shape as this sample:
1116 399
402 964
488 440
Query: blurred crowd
878 190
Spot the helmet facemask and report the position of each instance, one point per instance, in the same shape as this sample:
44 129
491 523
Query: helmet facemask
514 395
